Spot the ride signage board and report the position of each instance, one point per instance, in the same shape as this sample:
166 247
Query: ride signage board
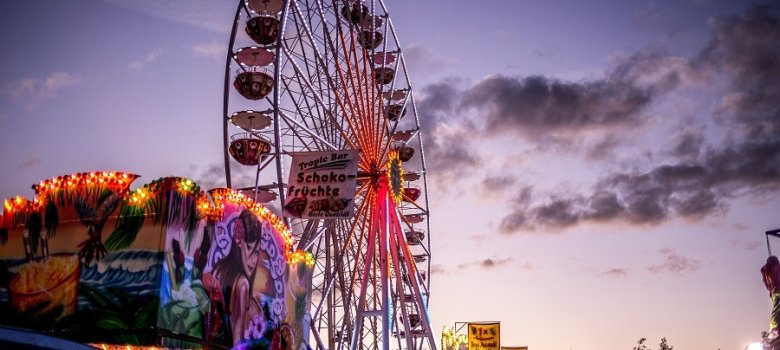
484 336
321 185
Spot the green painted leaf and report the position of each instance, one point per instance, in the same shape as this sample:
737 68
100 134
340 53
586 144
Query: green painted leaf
111 322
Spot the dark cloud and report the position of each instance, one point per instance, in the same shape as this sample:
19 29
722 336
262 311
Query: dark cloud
675 264
749 245
538 104
688 145
436 103
517 218
450 155
603 206
489 263
560 212
690 190
212 176
497 183
29 163
615 273
603 149
748 48
448 152
697 175
438 269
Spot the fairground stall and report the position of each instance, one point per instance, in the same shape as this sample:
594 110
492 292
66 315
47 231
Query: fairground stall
165 265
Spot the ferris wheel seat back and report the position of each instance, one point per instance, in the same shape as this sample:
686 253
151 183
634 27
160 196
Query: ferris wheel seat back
383 58
414 237
395 112
411 176
250 120
371 22
355 13
414 218
254 56
263 29
248 149
411 193
420 258
384 75
253 85
370 40
405 153
265 6
395 95
414 319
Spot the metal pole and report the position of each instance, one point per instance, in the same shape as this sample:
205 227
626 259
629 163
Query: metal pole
775 233
226 95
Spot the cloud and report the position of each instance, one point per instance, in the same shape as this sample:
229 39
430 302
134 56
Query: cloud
494 184
423 61
29 163
448 151
615 273
518 218
534 105
213 175
696 180
675 264
150 57
689 144
31 92
603 149
748 48
212 50
489 263
438 269
747 245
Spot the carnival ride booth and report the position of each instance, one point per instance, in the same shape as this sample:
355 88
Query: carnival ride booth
164 265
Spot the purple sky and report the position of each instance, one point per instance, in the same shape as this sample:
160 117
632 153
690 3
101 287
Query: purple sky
600 171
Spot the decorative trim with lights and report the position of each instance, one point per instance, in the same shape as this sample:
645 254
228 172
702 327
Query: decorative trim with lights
119 182
395 174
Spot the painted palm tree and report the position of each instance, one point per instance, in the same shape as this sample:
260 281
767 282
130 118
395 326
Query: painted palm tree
94 219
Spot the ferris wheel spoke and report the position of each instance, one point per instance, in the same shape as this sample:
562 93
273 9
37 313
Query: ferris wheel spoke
317 61
303 105
342 263
298 127
319 100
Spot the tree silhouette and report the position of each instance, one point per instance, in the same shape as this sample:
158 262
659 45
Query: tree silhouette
640 345
664 345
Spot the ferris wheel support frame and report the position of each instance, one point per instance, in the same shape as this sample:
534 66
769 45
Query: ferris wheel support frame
386 234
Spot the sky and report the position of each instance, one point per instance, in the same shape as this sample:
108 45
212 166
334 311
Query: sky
599 171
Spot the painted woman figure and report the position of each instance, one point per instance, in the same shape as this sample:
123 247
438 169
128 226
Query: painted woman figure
771 275
236 273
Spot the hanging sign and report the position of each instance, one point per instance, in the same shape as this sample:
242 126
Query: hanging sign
321 185
485 336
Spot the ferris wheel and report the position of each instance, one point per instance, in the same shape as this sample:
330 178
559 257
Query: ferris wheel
305 76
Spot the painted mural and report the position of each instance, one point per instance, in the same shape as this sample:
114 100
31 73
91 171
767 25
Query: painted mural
166 263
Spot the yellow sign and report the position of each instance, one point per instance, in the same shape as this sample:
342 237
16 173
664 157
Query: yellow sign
451 340
485 336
